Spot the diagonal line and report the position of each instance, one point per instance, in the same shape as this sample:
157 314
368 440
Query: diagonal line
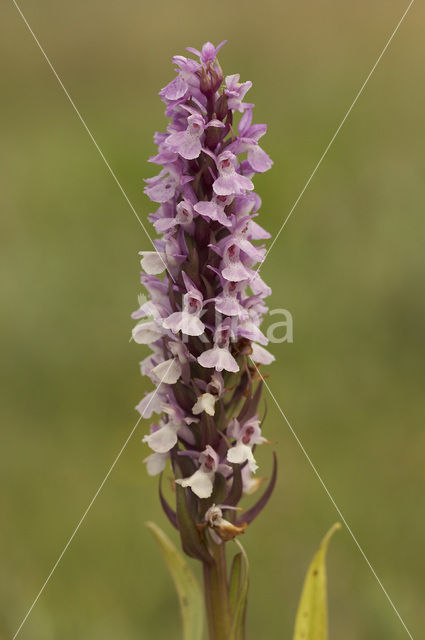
89 507
111 171
316 472
328 493
341 124
75 530
266 384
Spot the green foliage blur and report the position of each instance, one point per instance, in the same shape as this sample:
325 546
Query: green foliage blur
349 265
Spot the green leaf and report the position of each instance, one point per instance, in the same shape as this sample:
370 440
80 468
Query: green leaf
311 622
238 593
189 534
188 590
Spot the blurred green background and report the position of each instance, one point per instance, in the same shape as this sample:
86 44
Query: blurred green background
349 266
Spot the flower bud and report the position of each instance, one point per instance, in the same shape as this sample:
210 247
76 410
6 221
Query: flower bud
221 108
206 84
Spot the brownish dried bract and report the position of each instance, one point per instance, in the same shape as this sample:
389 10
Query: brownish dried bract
220 528
224 529
227 531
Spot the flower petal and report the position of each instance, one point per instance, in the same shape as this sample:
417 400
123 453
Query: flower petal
163 439
205 402
152 262
151 403
218 358
146 332
168 371
175 89
200 482
155 463
241 452
261 355
258 159
212 211
187 323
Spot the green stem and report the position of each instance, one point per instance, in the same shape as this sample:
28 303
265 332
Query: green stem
216 589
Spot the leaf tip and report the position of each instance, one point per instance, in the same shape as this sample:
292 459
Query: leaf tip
335 527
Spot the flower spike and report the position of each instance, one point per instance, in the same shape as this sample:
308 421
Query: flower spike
204 307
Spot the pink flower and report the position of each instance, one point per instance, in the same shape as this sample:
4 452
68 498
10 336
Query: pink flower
164 437
163 186
187 321
188 143
208 53
201 482
234 269
214 209
227 302
185 80
205 402
183 217
246 437
235 92
229 181
219 357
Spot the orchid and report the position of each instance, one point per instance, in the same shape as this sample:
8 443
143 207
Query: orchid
202 318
